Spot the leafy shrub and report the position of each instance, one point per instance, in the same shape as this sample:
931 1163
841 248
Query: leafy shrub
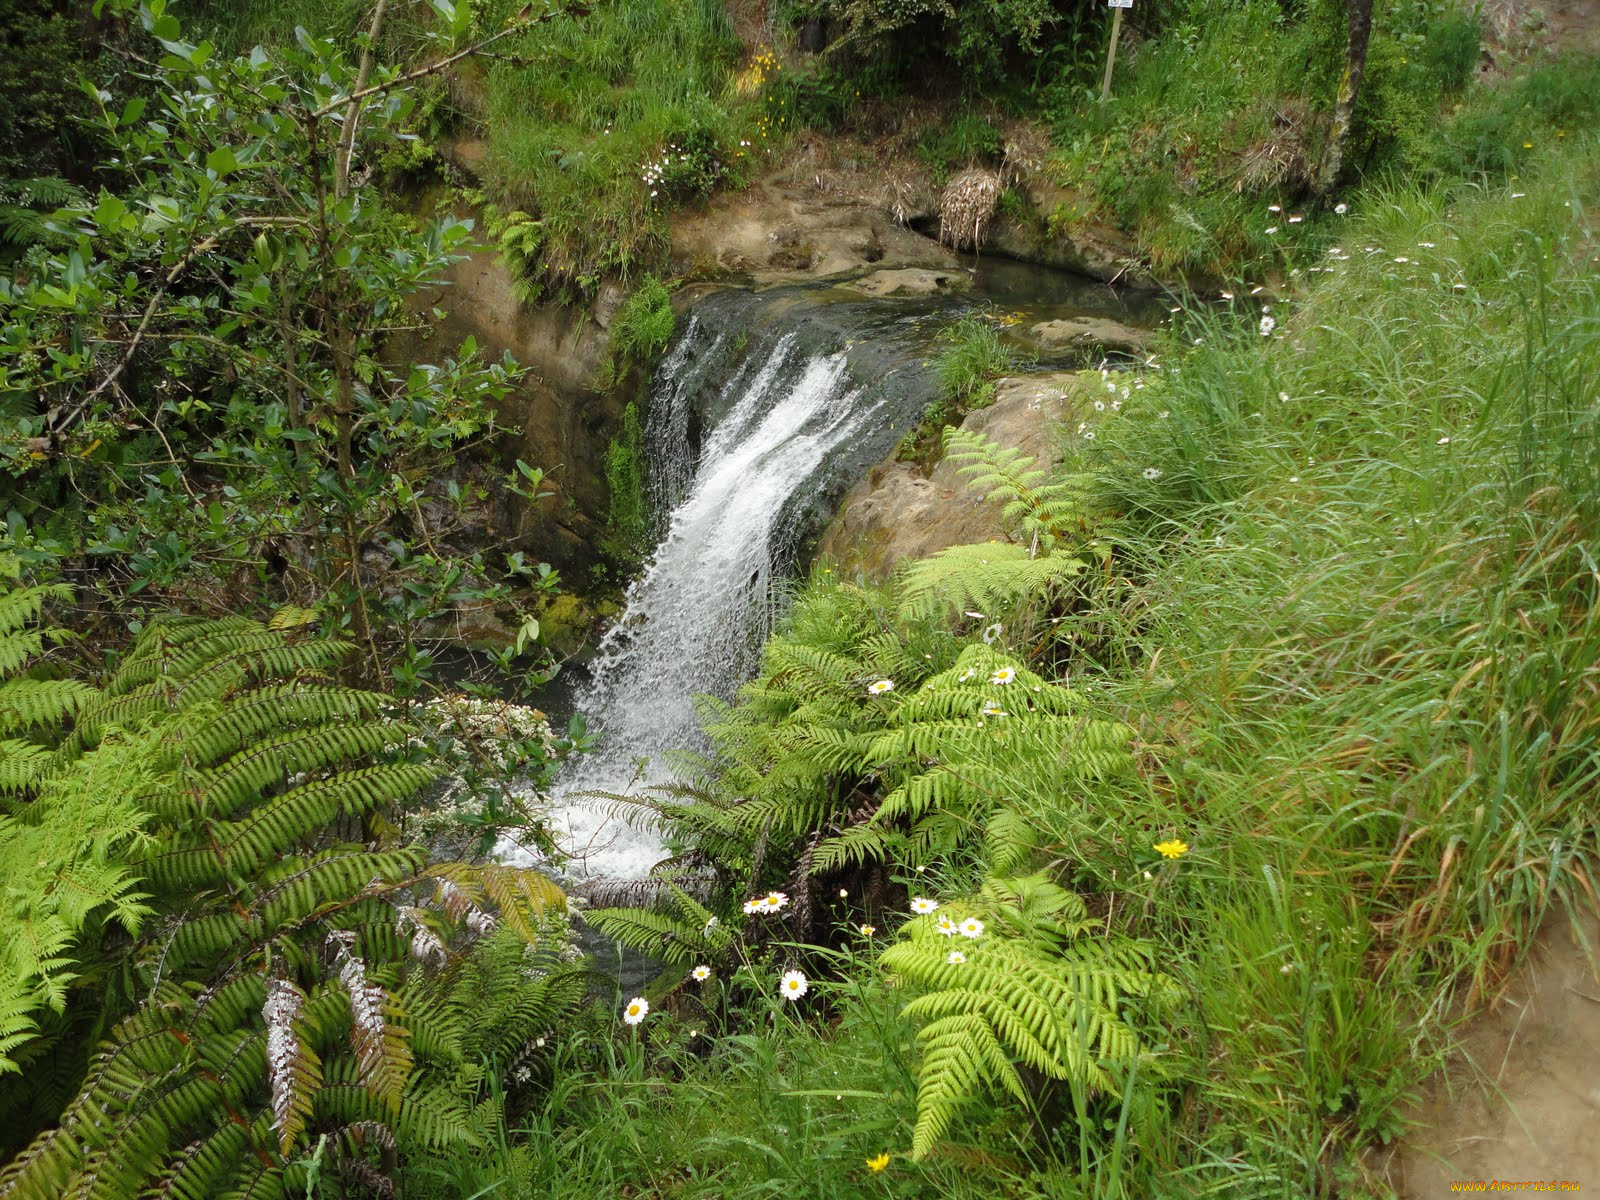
1030 988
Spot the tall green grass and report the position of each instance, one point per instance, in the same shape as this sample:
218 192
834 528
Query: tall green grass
572 125
1360 635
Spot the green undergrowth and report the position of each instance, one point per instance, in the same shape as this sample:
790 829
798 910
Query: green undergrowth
1288 672
609 120
1211 148
972 355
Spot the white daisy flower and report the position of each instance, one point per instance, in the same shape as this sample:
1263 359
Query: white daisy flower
921 904
776 900
971 928
793 985
1268 324
754 906
711 923
880 687
956 957
1003 675
1152 472
868 930
638 1008
701 973
993 632
1341 209
967 675
992 709
946 926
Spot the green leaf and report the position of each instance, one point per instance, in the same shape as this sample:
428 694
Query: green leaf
222 161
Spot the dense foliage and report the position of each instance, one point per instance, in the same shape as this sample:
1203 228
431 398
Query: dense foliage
245 960
1150 848
193 391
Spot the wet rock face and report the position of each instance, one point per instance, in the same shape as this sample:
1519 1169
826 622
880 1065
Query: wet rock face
564 420
1094 332
784 231
910 281
895 514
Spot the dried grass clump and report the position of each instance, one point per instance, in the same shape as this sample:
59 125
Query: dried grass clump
967 207
1281 160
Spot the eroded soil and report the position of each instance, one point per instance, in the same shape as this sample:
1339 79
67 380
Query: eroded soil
1520 1100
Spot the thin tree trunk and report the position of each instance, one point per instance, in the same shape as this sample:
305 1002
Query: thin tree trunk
1355 65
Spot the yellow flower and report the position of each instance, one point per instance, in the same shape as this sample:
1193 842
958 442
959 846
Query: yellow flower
1172 849
879 1163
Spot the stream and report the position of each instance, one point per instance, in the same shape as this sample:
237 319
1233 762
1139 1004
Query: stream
767 407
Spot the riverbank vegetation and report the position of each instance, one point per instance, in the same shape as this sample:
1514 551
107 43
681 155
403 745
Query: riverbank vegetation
1152 848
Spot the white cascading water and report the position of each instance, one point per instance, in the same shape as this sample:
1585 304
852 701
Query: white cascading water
694 620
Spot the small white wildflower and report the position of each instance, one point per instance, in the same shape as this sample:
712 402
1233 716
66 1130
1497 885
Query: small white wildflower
701 973
793 985
1099 406
945 926
956 958
880 687
1341 209
638 1008
1268 324
711 923
1426 245
1152 472
776 901
921 904
971 928
1272 229
992 709
992 633
1003 675
1284 397
1089 436
1444 441
1402 259
1274 208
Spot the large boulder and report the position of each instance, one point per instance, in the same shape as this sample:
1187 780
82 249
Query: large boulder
1095 333
896 514
910 281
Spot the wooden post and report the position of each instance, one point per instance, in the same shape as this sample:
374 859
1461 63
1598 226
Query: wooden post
1111 52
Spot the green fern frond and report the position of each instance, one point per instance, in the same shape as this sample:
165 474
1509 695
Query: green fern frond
1040 511
983 577
1030 989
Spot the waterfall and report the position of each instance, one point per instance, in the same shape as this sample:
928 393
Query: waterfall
767 406
695 619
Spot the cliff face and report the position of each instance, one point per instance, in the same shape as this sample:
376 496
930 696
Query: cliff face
895 514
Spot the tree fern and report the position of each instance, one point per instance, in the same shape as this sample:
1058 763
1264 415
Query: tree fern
1031 990
272 947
